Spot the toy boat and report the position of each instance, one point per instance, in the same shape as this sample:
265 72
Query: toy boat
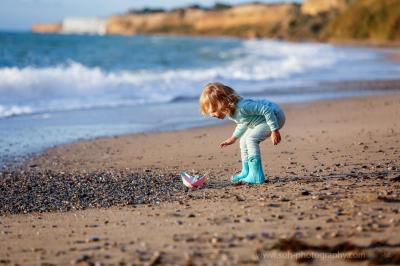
192 181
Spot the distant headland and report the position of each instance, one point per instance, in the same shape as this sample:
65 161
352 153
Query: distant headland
347 21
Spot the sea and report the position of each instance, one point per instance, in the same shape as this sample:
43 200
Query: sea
57 88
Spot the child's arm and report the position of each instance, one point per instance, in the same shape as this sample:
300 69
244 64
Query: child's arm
228 141
239 130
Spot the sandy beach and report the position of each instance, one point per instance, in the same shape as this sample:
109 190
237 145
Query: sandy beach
332 196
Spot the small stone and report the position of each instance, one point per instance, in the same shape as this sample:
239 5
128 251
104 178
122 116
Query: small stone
250 236
305 193
335 234
267 235
330 220
282 198
273 205
215 240
93 239
239 198
247 220
339 212
359 228
82 260
375 226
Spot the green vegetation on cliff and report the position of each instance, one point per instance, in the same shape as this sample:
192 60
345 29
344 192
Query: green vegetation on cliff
376 21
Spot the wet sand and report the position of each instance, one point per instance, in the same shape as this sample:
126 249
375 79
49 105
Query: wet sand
333 196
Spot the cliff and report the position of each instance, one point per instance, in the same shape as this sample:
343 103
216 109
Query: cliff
47 28
372 21
314 7
367 21
250 20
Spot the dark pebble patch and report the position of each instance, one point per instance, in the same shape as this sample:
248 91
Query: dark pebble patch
25 191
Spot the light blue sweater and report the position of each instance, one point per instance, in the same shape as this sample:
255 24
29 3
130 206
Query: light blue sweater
250 113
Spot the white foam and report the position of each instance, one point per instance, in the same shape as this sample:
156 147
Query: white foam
74 86
14 110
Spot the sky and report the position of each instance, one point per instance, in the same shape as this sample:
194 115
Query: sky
21 14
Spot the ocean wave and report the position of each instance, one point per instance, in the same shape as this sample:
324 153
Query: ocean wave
14 110
73 85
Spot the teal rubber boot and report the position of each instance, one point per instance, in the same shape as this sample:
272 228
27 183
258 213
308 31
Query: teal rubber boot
256 175
245 171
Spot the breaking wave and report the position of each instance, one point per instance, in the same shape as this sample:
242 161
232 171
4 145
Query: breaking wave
72 85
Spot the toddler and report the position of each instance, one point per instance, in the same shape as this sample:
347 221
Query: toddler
256 120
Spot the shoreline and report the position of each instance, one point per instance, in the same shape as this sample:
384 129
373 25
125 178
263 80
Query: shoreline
333 182
142 138
333 91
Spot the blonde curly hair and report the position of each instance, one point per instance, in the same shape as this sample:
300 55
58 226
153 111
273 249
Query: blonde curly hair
218 97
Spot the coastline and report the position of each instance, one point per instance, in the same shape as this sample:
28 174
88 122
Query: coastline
311 20
324 91
332 181
61 157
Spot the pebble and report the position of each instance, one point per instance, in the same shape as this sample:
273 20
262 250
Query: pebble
250 237
267 235
335 234
64 191
215 240
330 220
360 228
239 198
282 198
93 239
82 260
305 193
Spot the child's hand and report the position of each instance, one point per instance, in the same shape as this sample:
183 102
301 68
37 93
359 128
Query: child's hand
275 137
228 142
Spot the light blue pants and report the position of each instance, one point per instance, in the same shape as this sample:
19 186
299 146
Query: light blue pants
250 140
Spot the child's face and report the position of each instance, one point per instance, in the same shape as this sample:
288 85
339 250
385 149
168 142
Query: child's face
218 114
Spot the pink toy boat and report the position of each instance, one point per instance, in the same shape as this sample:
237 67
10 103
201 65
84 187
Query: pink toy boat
192 181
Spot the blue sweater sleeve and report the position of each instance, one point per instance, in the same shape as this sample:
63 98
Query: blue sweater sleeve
239 130
262 108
